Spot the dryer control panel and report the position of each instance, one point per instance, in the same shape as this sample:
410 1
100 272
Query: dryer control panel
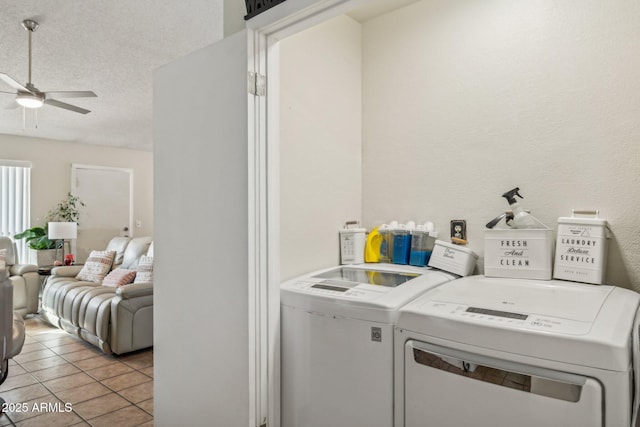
507 319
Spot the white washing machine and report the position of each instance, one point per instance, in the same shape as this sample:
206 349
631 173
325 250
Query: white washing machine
337 329
488 352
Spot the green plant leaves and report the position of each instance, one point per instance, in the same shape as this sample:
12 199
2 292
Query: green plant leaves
68 210
37 238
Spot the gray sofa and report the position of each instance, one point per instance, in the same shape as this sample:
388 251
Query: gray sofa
116 320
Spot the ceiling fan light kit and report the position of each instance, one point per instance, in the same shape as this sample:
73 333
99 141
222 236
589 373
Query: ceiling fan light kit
29 100
28 96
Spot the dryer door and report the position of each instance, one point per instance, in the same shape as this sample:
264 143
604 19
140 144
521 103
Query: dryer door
449 388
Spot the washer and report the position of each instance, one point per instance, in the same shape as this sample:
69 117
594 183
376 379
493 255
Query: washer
493 352
337 330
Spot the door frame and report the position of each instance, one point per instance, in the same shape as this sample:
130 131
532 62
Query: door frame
265 31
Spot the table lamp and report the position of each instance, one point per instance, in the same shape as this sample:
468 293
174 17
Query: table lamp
62 231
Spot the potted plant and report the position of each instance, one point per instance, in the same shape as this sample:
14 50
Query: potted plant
44 250
68 210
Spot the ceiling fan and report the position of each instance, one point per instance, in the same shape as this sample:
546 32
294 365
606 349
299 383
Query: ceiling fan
29 96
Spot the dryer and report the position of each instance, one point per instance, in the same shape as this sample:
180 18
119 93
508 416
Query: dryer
337 329
492 352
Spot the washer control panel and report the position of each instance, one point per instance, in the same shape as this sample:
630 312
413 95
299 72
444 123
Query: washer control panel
507 319
339 288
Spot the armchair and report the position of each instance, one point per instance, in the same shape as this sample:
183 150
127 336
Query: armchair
12 332
24 278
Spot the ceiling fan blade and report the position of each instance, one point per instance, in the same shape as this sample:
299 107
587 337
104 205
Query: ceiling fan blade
13 82
13 104
66 106
70 94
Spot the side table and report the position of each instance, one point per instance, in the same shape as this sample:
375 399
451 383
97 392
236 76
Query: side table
44 272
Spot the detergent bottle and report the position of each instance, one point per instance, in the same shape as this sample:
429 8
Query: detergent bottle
373 246
422 240
352 243
521 219
402 243
386 247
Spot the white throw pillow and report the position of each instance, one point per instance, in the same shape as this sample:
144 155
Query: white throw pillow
145 270
96 266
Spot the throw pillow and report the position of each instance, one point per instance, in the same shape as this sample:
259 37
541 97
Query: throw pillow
3 258
96 266
145 270
119 277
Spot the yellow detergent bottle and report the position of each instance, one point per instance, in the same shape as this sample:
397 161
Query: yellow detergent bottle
372 246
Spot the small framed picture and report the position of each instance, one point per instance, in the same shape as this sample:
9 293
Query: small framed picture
459 229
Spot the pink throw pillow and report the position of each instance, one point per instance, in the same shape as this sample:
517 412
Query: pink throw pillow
119 277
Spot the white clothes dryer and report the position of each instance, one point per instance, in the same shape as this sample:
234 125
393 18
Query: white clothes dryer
337 330
489 352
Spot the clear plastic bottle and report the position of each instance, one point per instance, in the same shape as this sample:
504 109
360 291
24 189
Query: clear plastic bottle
422 240
402 243
387 247
521 219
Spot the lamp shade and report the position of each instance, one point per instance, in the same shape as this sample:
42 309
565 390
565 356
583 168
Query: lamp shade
62 230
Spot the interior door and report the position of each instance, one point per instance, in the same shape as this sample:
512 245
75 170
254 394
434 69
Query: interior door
107 193
209 215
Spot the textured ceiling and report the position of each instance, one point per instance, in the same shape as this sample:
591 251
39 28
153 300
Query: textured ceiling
109 47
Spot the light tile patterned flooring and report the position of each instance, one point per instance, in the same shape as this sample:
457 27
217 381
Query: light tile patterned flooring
55 369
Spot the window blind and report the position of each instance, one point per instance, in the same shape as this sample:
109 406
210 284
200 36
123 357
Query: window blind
15 201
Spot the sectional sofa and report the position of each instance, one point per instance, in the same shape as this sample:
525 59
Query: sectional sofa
116 318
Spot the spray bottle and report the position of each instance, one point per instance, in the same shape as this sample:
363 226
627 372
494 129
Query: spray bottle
521 219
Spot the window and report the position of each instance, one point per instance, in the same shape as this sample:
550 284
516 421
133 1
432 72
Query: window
15 201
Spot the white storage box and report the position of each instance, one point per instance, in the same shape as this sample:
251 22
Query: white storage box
581 248
455 259
518 253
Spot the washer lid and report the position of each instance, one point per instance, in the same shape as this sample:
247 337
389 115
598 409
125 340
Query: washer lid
567 322
528 297
361 291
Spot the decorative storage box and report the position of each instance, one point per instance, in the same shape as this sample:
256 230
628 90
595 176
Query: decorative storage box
581 248
455 259
519 253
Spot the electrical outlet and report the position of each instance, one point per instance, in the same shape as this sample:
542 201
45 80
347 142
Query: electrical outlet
138 223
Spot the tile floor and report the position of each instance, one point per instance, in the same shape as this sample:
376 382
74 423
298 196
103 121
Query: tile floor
59 380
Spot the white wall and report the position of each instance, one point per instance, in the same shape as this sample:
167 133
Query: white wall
201 301
320 143
234 12
464 100
51 175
